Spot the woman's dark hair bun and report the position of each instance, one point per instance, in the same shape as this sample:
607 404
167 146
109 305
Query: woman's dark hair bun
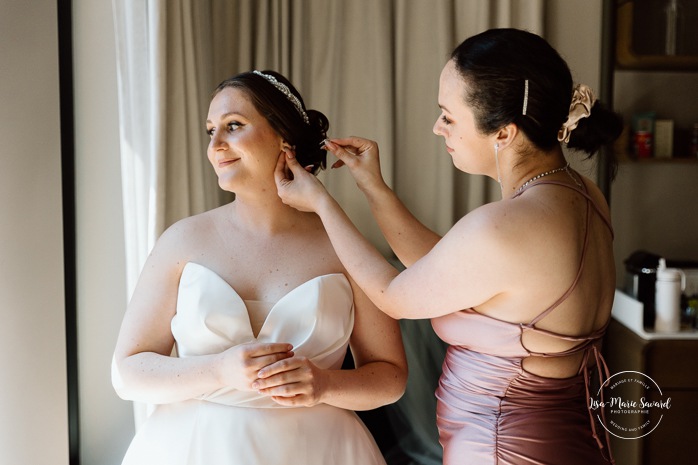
602 127
308 148
504 68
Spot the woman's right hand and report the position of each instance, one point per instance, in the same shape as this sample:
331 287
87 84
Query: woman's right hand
238 367
361 157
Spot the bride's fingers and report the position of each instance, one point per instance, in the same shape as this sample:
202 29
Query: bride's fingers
293 165
281 174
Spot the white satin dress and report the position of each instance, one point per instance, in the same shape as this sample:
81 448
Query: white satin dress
231 427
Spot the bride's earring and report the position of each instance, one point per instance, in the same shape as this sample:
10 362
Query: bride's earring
496 161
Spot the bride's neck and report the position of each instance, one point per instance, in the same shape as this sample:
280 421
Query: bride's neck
265 215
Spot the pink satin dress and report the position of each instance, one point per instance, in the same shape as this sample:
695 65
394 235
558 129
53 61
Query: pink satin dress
490 410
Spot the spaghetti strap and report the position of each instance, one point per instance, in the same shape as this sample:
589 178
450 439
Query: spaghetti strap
572 287
584 193
536 419
590 202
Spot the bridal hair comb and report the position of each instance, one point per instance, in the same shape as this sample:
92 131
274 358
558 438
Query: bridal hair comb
283 88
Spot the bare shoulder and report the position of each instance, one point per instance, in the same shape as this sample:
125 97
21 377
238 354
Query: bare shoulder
495 224
502 237
186 229
489 241
184 239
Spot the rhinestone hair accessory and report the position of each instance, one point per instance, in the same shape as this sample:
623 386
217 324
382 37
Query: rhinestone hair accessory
283 88
525 101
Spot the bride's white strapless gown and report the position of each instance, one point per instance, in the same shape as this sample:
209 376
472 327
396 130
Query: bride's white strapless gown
231 427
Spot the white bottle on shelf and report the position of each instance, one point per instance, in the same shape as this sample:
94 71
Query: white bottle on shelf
670 284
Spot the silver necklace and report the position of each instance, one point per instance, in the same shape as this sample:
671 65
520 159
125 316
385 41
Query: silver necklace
538 176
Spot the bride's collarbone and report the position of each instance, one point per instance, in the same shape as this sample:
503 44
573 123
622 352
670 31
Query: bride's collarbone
265 280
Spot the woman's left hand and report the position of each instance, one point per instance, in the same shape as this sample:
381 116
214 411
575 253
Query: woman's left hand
303 191
293 382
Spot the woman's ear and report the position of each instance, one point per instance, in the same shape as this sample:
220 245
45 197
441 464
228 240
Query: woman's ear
286 146
506 135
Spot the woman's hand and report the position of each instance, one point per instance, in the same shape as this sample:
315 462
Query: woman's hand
361 157
304 191
238 366
294 382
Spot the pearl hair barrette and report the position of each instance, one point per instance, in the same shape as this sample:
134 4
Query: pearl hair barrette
525 100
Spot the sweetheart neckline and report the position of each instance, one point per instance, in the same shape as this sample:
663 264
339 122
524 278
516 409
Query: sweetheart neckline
282 297
274 306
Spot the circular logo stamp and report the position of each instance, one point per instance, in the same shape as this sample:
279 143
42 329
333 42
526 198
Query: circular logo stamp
629 405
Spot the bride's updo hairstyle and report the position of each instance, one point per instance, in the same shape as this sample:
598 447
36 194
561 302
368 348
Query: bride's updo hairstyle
514 76
275 98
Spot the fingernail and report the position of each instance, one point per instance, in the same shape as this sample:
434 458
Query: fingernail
255 385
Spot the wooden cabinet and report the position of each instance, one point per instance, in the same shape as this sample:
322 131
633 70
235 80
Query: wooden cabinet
673 365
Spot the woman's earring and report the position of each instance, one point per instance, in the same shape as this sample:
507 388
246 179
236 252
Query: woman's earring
496 161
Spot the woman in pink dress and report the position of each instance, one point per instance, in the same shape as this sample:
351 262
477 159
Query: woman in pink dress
521 289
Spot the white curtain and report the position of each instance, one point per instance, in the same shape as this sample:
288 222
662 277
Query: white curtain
372 66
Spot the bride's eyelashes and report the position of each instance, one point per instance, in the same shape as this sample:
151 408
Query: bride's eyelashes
231 126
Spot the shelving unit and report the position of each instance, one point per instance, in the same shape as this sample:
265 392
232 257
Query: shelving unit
654 208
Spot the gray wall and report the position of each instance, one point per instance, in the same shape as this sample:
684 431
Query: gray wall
33 385
106 422
565 23
33 390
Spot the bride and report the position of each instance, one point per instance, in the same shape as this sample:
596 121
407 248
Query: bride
259 309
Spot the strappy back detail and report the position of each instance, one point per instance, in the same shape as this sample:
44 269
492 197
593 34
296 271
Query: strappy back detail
509 341
484 382
531 325
587 344
583 193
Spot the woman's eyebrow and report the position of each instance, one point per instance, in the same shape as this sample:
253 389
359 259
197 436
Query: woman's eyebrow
226 115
